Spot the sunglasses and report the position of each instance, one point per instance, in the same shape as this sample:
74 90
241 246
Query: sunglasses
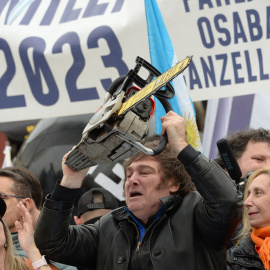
2 195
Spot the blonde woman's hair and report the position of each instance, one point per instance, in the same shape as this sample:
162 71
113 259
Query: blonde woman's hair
12 261
246 230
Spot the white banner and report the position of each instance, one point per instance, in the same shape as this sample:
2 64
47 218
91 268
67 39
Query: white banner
230 42
58 58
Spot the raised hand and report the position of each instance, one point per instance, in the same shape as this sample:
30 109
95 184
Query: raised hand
25 230
174 126
72 179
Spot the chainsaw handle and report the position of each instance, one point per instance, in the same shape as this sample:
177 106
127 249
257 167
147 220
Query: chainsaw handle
164 139
162 144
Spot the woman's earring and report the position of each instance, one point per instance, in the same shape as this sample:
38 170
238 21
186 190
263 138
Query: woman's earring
5 245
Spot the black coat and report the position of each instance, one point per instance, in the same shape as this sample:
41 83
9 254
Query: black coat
244 257
192 232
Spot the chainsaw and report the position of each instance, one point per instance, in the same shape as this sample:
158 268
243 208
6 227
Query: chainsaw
120 126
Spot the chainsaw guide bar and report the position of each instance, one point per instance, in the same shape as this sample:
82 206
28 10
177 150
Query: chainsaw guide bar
155 85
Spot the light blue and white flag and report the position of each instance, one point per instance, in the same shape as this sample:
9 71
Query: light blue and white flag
163 57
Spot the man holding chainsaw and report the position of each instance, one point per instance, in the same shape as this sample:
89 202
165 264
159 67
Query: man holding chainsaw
166 224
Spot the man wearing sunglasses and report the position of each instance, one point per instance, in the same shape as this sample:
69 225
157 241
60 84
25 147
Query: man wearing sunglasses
19 184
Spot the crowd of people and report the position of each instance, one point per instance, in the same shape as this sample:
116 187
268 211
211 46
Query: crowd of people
183 211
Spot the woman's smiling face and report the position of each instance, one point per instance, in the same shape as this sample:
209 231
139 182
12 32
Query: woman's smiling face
258 201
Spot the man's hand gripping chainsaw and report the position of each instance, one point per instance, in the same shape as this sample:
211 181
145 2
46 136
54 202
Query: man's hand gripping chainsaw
120 126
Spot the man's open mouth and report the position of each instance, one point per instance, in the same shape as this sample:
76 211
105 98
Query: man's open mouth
135 194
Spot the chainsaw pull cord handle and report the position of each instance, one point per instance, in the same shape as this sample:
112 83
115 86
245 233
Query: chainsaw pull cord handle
115 84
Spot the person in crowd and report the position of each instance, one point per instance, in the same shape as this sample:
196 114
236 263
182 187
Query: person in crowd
252 250
166 223
8 259
94 204
251 148
19 184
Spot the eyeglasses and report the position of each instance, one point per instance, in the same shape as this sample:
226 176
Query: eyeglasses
2 195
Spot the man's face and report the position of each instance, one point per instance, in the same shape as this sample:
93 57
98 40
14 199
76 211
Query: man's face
258 202
143 189
257 155
12 213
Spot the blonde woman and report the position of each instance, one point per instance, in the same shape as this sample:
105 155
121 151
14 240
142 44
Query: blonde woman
252 249
8 261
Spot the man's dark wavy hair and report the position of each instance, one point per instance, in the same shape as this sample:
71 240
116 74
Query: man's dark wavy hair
238 141
170 166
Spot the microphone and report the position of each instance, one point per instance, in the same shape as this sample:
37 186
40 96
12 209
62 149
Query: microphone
229 159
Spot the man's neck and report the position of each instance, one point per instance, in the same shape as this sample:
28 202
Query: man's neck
35 214
147 222
13 229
